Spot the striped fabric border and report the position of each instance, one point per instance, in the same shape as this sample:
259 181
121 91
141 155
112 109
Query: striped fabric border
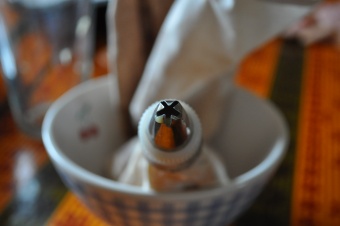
273 205
317 180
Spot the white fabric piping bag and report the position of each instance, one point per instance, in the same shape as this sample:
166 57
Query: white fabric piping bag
199 47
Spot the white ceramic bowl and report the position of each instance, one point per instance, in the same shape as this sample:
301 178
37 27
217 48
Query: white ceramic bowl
82 129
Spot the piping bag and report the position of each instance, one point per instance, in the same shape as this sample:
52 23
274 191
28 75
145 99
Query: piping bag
189 50
198 46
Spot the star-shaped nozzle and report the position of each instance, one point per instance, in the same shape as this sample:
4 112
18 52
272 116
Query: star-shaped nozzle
168 111
170 134
169 128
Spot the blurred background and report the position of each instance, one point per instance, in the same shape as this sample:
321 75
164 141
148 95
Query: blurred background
299 71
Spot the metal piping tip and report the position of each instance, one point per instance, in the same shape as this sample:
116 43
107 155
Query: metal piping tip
169 126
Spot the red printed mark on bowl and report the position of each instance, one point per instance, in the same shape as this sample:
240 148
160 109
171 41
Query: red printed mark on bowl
88 129
89 132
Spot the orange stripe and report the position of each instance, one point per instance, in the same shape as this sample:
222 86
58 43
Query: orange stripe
257 70
316 198
71 212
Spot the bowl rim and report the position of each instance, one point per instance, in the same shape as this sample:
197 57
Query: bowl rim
63 163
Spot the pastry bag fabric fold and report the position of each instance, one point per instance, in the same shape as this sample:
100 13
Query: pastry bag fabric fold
197 51
133 26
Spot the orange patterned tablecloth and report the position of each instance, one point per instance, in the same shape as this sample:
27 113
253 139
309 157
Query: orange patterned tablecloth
302 81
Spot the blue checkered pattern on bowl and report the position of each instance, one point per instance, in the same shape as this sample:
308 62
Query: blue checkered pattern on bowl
132 211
